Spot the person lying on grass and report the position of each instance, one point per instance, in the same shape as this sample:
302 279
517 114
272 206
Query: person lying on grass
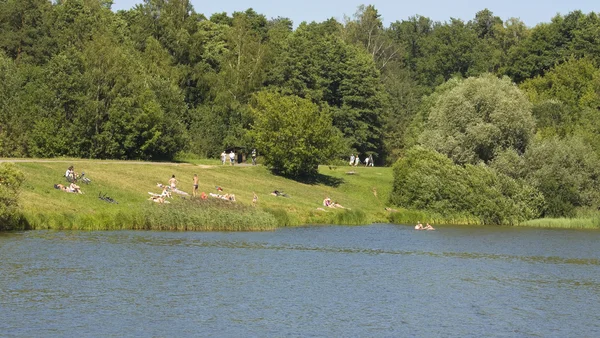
72 188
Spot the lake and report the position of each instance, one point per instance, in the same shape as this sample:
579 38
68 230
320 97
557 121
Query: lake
381 280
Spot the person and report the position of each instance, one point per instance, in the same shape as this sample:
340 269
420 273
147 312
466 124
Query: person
367 161
336 205
357 161
351 159
70 174
173 182
419 226
195 188
371 160
429 227
254 198
75 188
253 156
327 202
223 157
231 157
203 196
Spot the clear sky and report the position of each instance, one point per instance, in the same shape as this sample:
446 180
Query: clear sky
531 12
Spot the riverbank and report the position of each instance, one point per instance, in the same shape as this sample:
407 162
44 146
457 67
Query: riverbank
362 191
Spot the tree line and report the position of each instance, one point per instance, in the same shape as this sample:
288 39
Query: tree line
78 79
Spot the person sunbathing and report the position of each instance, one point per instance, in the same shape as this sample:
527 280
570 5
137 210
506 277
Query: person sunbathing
75 188
327 202
158 199
336 205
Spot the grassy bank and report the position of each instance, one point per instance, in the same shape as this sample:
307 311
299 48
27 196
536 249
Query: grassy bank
363 192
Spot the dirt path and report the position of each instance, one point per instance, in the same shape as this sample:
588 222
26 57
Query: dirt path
29 160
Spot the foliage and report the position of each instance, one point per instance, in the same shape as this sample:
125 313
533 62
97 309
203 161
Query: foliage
10 183
566 171
295 135
479 117
427 180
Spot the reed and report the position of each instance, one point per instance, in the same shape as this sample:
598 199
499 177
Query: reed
564 223
405 216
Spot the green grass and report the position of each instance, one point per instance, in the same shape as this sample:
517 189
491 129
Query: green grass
129 183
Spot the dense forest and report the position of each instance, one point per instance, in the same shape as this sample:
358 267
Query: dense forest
485 105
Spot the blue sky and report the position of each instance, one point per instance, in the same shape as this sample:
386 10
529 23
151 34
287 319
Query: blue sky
531 12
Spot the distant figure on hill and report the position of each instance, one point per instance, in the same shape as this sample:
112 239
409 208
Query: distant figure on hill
231 157
351 159
223 157
195 187
253 156
357 161
254 198
367 161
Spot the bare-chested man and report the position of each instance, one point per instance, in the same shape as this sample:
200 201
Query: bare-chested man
195 189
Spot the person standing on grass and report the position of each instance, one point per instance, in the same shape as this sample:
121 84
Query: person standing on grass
357 161
231 157
371 160
253 156
195 190
223 157
173 182
367 161
351 159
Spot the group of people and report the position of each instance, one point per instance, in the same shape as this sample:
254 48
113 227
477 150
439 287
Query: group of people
72 188
224 157
420 226
355 160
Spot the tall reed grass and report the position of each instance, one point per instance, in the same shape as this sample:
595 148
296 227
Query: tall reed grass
564 223
191 215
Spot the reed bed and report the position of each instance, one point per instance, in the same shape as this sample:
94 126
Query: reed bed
564 223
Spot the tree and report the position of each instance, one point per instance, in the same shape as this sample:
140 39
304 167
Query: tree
478 118
294 134
10 183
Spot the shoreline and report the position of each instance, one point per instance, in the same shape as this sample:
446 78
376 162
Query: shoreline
362 190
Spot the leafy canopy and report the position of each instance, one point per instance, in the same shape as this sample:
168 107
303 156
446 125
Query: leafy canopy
477 118
293 134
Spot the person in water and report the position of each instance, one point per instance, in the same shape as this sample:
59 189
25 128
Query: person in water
419 226
429 227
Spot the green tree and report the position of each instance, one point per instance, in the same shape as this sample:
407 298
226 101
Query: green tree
10 183
478 118
294 134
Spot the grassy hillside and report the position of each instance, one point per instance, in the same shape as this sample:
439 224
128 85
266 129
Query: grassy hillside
129 184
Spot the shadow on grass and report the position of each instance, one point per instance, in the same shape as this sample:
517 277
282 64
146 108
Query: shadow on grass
329 181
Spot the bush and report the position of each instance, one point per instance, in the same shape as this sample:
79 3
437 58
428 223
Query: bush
427 180
10 183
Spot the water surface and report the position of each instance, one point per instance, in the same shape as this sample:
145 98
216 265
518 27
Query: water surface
380 280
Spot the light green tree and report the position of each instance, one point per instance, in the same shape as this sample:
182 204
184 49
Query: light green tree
477 118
